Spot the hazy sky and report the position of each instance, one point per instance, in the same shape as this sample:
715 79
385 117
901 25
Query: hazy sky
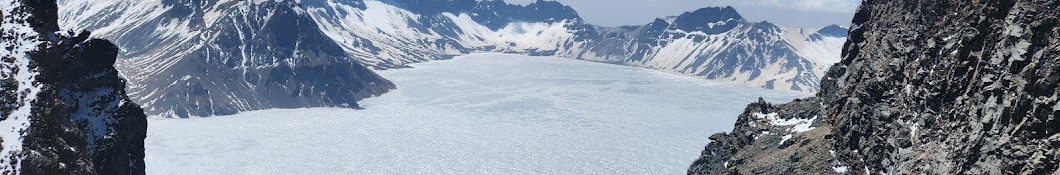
794 13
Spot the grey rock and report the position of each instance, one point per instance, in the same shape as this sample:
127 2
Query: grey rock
934 87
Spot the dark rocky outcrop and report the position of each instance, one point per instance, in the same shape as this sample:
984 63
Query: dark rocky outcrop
925 87
65 100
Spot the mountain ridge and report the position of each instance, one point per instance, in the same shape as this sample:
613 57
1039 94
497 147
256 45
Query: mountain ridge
392 34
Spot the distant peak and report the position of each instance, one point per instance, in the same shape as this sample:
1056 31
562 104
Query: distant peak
834 30
554 9
835 26
549 4
710 20
718 13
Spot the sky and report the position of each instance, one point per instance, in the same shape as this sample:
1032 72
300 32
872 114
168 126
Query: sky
792 13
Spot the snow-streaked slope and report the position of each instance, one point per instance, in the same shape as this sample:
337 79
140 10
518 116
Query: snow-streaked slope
477 114
202 58
824 49
818 48
818 45
715 43
379 35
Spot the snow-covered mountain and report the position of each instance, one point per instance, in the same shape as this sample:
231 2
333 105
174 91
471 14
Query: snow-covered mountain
203 57
715 43
63 107
199 57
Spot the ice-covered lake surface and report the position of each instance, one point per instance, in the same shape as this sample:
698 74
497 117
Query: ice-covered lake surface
476 114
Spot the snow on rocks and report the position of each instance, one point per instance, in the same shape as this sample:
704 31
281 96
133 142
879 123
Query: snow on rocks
792 126
19 39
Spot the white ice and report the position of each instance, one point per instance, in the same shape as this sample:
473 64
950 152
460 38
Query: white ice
477 114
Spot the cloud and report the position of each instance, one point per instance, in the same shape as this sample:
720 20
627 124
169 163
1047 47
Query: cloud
805 5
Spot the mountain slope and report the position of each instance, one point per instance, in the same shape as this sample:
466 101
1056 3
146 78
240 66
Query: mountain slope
64 107
202 58
925 87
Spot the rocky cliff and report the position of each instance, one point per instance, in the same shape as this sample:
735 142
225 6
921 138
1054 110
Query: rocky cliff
64 107
924 87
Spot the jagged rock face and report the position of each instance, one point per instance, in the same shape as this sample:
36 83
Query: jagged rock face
987 70
203 58
65 110
936 87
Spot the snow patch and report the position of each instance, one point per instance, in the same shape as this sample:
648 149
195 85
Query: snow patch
912 129
785 138
797 125
838 168
719 23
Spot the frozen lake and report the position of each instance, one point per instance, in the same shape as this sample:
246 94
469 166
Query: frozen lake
476 114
